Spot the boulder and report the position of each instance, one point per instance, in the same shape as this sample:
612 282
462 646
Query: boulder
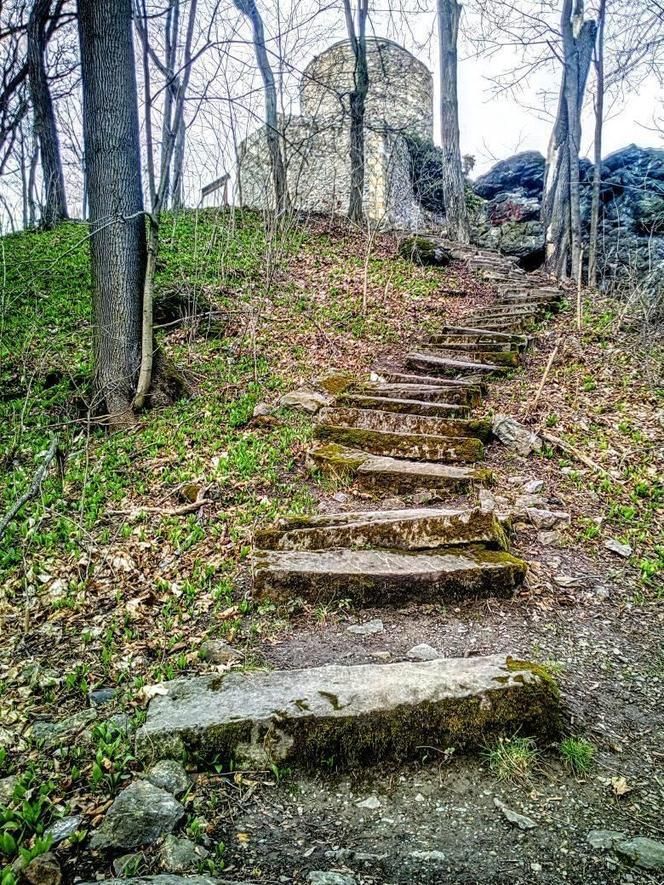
169 775
521 174
515 436
644 852
179 855
140 815
425 251
513 207
304 400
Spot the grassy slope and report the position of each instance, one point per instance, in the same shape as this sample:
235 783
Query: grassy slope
117 595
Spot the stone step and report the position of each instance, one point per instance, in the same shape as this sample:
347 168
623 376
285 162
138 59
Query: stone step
532 295
401 377
414 446
425 392
396 422
498 309
450 343
406 406
348 716
480 334
415 529
508 358
502 323
383 577
430 362
395 474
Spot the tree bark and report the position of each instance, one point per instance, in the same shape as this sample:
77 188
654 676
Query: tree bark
277 164
453 185
177 187
55 205
599 128
115 196
358 98
561 211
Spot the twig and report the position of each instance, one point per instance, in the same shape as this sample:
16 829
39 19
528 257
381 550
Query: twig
192 507
544 377
574 452
34 486
579 283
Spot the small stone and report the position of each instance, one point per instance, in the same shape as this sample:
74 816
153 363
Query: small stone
52 734
372 803
140 815
614 546
428 856
381 655
369 628
524 502
645 853
340 497
487 501
533 486
261 409
304 400
536 867
515 436
7 785
604 839
330 877
100 696
424 652
169 775
64 828
43 870
217 651
519 820
547 519
179 855
549 538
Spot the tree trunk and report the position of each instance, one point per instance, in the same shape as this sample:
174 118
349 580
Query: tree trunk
453 185
278 167
358 97
599 127
177 187
55 206
115 197
561 211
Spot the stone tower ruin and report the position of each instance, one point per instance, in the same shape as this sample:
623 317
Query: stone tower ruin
317 143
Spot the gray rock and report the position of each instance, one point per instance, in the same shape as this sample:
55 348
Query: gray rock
178 855
432 857
549 538
261 409
427 251
615 546
423 652
7 785
515 436
369 628
43 870
52 734
169 775
547 519
644 852
140 815
604 839
371 803
330 877
64 828
304 400
522 173
519 820
217 651
100 696
310 711
533 486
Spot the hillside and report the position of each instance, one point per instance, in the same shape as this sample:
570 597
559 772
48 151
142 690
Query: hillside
125 567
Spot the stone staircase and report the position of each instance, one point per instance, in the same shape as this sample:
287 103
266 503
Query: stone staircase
406 429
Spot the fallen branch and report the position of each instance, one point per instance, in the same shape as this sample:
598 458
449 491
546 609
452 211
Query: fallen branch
574 452
192 507
544 377
34 486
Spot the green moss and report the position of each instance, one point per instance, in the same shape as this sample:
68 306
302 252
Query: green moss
336 382
404 445
539 670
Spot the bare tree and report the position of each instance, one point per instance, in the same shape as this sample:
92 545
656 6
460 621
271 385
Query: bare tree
278 167
561 210
453 186
598 59
357 34
113 170
55 204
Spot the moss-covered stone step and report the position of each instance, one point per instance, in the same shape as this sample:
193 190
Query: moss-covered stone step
385 577
394 474
450 342
503 324
396 422
417 446
349 717
440 365
415 529
479 334
434 393
406 406
509 358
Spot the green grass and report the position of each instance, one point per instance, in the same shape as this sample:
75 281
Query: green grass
512 759
578 754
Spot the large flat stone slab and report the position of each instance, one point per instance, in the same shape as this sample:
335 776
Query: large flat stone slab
467 345
394 474
380 577
508 358
349 716
414 529
478 334
395 422
425 392
414 446
439 365
404 406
